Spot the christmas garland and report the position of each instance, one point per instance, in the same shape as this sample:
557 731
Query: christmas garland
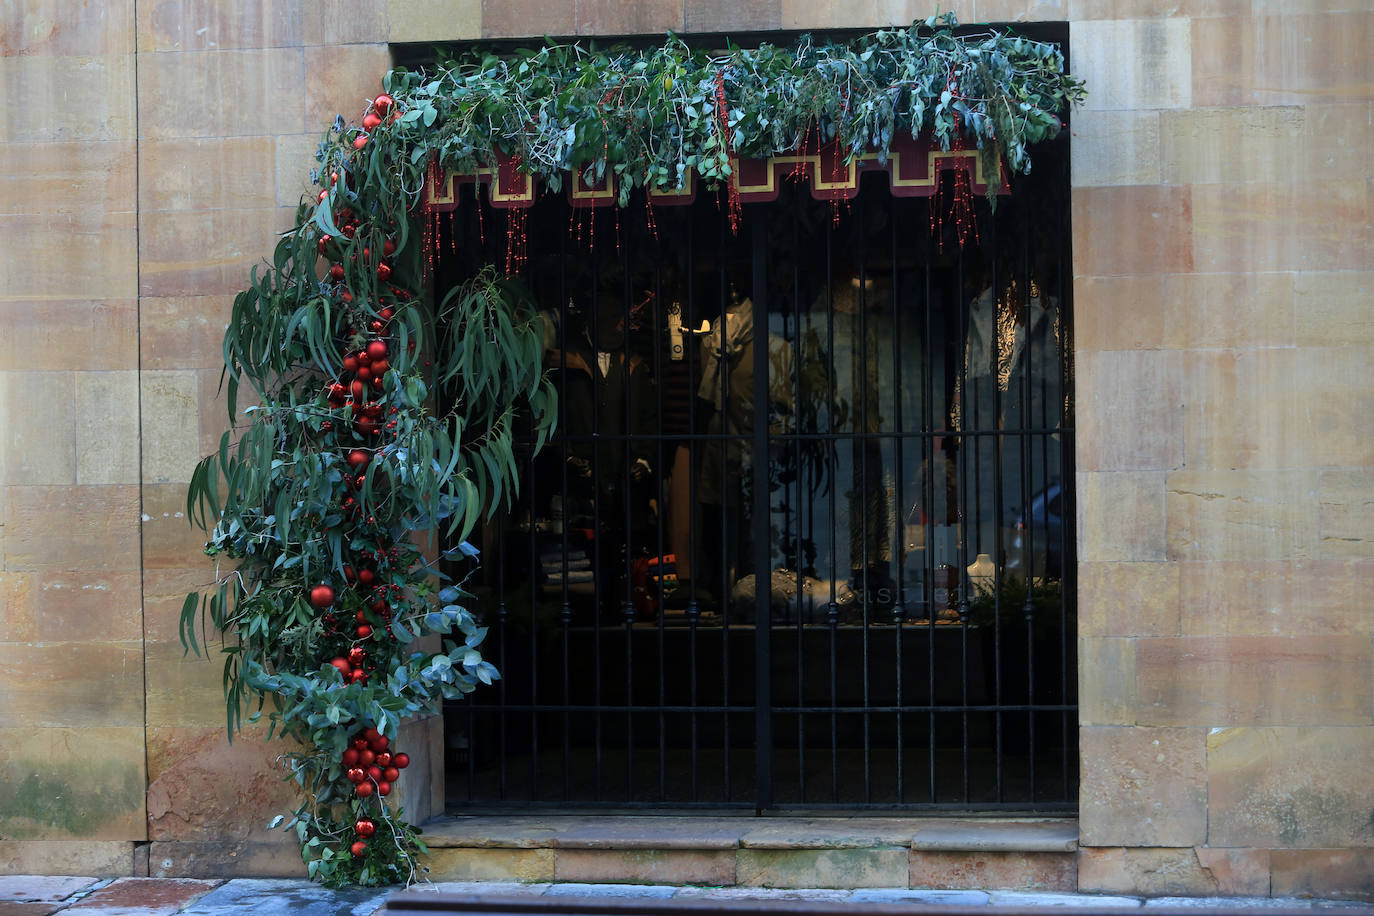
382 426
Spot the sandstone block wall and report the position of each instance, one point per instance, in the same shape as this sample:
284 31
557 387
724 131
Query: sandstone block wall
1224 337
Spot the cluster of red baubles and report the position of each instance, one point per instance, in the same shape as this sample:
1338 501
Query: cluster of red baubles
372 766
381 106
363 373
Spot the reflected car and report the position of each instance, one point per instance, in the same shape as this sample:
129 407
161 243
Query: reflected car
1042 528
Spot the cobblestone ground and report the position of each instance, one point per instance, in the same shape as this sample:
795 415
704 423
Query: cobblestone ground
27 895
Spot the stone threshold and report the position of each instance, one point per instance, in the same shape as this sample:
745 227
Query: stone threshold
533 831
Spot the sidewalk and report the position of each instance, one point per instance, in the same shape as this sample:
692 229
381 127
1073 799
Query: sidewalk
23 895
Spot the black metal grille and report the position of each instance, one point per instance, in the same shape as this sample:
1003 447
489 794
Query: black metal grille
874 408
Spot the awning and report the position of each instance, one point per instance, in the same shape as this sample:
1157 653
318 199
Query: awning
912 166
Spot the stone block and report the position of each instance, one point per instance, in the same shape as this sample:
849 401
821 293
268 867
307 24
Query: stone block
1013 11
146 896
1229 310
878 866
72 783
1106 681
184 690
1337 140
184 332
1143 786
106 416
1002 835
200 253
188 94
36 28
1244 872
203 25
1133 230
823 833
1254 515
81 528
1116 148
171 425
1344 524
612 17
1040 871
1292 225
79 685
1151 872
1130 410
1342 874
1243 410
1286 59
73 98
1331 308
100 858
450 864
1121 516
1275 598
728 15
1333 384
345 22
241 860
60 606
71 178
1214 145
1118 313
434 20
342 80
1155 9
526 18
69 257
810 895
169 541
38 428
1128 599
646 866
57 335
1134 64
207 174
164 590
1254 680
202 789
1287 787
656 833
295 159
416 790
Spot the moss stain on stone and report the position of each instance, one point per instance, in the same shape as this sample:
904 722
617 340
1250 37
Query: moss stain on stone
40 801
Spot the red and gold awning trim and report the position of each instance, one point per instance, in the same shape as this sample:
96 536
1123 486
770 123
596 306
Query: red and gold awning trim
912 165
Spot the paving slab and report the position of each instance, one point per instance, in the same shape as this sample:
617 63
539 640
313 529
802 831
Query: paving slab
917 895
1249 903
285 897
653 891
828 833
812 895
651 833
41 888
1032 898
494 888
499 832
10 908
142 897
997 836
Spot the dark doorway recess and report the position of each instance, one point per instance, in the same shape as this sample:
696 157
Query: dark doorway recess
817 557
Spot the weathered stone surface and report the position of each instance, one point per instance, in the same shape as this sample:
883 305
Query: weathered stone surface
1246 411
1011 10
40 261
209 252
1345 517
919 895
1240 515
1281 59
656 833
1001 835
1254 680
447 864
40 888
142 896
1047 871
658 892
1237 871
183 333
1118 313
182 94
1275 598
1128 599
826 833
66 857
295 158
1060 901
1120 515
227 858
811 894
269 897
434 20
68 177
1116 148
205 174
344 22
1228 310
1144 871
341 80
1343 874
81 98
513 832
1294 225
611 17
38 428
1133 230
520 18
1130 410
169 541
34 28
201 789
1143 786
1134 63
184 690
58 335
1210 145
198 25
879 866
727 15
1338 139
106 406
1106 679
1333 308
72 783
171 424
56 685
646 866
1285 787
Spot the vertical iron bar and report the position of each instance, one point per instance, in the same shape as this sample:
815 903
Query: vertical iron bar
763 695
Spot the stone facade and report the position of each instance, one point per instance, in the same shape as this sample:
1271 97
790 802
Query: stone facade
1222 187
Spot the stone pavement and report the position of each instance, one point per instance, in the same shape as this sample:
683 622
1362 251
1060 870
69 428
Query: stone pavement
26 895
